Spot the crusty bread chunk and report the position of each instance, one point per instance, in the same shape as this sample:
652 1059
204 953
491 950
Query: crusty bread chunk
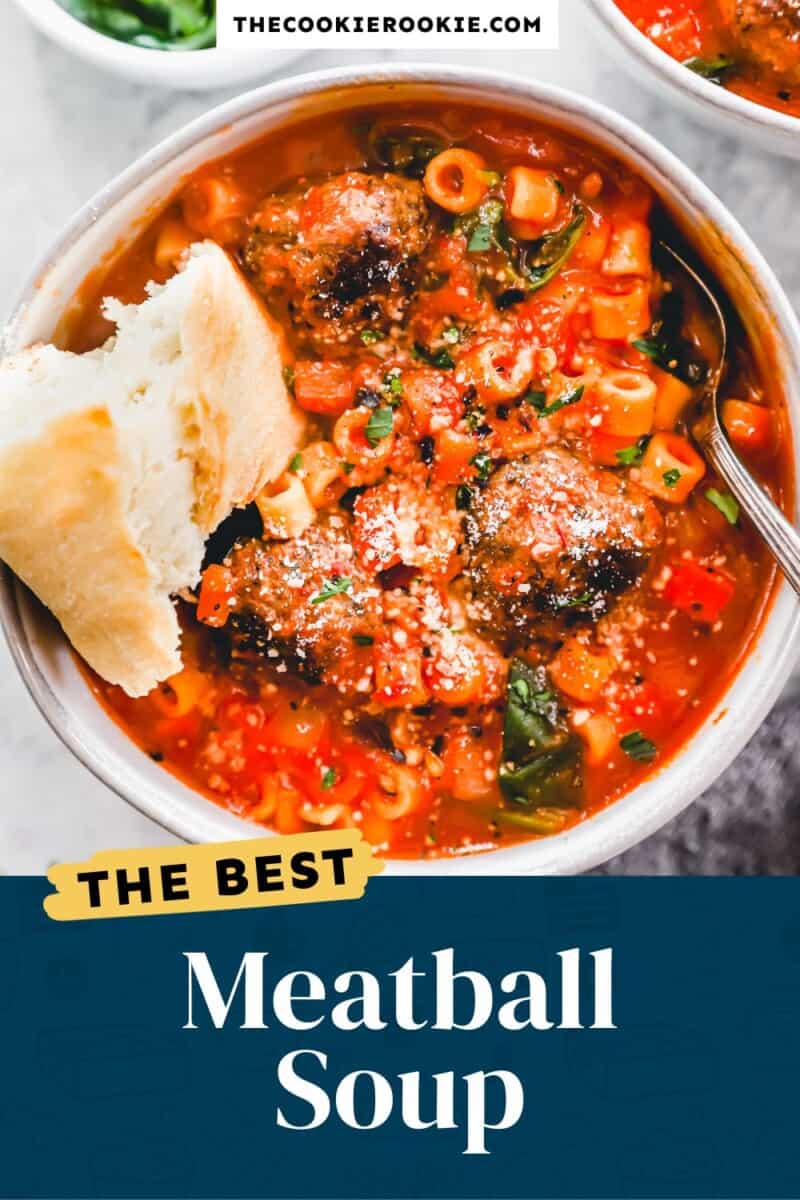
115 466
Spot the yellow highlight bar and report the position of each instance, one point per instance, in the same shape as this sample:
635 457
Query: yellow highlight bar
303 868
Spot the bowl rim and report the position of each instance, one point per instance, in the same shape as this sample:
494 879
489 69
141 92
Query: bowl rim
759 117
630 819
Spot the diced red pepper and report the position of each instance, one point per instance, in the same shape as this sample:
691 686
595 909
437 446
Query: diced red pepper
701 592
216 593
324 387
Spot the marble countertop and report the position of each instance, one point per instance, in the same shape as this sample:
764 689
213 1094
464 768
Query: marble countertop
66 129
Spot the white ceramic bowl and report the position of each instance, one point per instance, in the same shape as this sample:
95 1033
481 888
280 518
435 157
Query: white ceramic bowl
724 111
39 648
192 69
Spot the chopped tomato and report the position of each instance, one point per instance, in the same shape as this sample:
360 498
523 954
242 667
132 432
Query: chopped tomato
701 592
326 388
749 426
216 594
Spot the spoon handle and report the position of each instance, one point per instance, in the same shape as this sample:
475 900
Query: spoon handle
779 534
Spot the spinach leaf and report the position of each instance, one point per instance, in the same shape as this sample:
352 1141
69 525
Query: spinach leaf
541 758
666 346
407 151
540 261
715 70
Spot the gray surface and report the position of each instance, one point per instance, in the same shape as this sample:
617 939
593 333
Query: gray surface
64 130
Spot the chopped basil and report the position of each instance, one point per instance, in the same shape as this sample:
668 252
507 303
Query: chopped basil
363 639
715 70
475 417
328 779
540 757
370 336
638 747
296 463
563 401
537 399
671 477
725 503
483 465
483 227
629 456
334 587
452 334
348 468
576 601
379 425
463 497
434 358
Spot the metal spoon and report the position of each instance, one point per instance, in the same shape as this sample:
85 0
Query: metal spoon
780 535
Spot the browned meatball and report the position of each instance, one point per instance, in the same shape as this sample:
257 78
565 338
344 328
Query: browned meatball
552 538
343 252
306 605
767 31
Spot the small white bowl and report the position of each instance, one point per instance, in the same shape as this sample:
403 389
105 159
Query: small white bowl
184 70
724 111
115 214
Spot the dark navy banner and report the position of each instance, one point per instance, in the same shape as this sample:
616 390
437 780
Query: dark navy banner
667 1067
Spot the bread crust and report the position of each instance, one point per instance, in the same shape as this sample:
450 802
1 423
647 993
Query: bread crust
63 530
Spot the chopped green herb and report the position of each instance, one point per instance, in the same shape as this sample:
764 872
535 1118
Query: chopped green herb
150 24
671 477
363 639
334 587
571 397
630 456
491 178
393 384
715 70
483 465
725 503
540 757
328 779
296 463
576 601
638 747
370 336
537 399
348 468
540 261
666 344
463 497
452 334
379 425
401 150
475 417
559 185
483 227
434 358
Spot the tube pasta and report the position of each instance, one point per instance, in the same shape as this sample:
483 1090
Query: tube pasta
454 180
627 403
320 470
287 512
174 239
673 396
617 316
670 468
182 693
349 438
629 250
211 202
531 195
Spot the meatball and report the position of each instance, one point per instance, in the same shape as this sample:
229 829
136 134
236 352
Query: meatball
344 252
307 605
766 31
554 538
